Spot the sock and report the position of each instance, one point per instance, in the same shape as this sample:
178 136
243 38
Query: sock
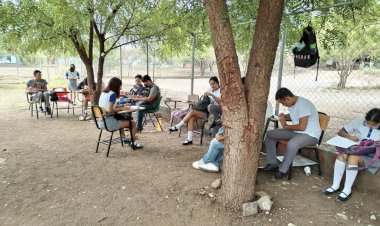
190 135
350 179
338 173
180 124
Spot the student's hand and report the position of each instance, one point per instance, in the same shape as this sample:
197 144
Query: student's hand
353 137
282 120
207 94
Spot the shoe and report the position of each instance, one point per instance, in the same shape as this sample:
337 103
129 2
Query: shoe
209 167
210 122
41 109
327 192
277 176
269 168
197 164
136 145
187 142
339 198
139 130
48 110
173 129
81 118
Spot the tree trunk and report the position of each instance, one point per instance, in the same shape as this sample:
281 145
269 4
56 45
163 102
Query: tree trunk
344 70
243 124
203 67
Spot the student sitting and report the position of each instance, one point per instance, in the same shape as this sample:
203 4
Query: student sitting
40 92
108 101
367 127
305 130
214 95
83 86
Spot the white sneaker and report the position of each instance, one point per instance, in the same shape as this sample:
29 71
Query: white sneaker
209 167
81 118
197 164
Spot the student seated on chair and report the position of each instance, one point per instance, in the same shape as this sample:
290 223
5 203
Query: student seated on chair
107 100
361 128
149 102
138 90
191 118
40 91
83 86
304 131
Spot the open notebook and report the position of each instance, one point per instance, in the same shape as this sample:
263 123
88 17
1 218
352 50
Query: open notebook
342 142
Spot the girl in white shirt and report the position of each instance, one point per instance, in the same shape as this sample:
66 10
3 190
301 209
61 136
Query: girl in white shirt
191 118
361 128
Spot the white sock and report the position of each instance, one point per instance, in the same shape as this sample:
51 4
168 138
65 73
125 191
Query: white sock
190 135
338 173
180 124
350 179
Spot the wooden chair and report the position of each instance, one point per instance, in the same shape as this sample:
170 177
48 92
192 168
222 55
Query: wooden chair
324 120
99 113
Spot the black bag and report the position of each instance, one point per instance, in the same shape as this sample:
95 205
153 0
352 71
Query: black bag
202 104
309 54
124 116
53 96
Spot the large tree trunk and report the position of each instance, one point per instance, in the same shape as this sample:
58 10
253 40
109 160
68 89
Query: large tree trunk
243 124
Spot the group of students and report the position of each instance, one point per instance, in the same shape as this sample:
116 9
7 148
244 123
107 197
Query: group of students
304 129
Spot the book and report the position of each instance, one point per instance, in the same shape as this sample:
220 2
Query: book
342 142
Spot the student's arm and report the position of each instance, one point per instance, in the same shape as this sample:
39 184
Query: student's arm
343 133
217 99
301 126
152 95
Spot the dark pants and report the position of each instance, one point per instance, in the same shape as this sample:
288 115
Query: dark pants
140 115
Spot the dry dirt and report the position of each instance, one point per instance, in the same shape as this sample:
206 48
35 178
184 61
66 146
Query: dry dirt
52 176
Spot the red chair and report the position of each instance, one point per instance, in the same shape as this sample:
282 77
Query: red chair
62 95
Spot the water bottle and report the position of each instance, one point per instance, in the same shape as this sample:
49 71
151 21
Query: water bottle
307 170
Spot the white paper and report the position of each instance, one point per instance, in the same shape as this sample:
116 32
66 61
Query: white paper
342 142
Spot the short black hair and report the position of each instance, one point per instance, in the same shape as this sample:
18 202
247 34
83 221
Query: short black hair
36 72
282 93
146 78
138 76
373 115
215 79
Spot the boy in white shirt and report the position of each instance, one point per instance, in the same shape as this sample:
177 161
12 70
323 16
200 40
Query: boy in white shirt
304 131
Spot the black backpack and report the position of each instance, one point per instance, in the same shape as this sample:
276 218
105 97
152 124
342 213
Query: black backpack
309 54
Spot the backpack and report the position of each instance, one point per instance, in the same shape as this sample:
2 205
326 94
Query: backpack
366 147
53 96
202 104
306 52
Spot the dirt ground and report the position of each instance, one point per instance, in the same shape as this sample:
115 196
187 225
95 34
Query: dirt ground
51 175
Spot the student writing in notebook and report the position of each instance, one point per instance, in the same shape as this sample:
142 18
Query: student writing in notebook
367 127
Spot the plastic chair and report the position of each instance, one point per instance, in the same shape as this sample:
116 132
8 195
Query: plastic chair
62 98
99 113
153 111
324 120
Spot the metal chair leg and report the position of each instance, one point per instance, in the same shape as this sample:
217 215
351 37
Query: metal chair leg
121 138
202 131
31 111
290 171
37 111
109 144
132 140
97 146
150 117
319 161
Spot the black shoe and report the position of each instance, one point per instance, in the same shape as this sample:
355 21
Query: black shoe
187 142
326 192
278 176
41 109
269 167
139 130
48 110
343 199
135 145
173 129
